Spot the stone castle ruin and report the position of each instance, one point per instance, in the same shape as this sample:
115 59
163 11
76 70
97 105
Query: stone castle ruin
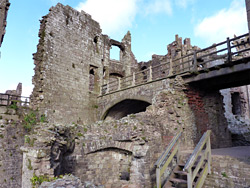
4 7
106 122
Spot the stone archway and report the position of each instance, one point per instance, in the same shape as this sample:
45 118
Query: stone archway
124 108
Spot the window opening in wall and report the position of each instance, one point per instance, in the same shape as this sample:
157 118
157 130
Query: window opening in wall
144 72
236 104
104 72
92 77
115 53
95 39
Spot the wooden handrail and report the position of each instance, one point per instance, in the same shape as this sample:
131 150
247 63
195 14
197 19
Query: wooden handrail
204 161
166 157
184 64
8 99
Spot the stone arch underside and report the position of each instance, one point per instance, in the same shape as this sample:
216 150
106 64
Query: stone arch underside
124 108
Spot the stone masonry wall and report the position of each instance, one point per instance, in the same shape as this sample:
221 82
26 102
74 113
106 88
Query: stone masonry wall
209 115
66 50
4 7
11 139
72 61
228 172
115 153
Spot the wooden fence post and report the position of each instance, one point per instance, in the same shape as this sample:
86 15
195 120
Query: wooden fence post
8 100
158 177
229 53
189 179
170 67
209 155
195 62
119 83
150 74
133 80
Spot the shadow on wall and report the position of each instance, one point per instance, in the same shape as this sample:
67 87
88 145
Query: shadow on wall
125 108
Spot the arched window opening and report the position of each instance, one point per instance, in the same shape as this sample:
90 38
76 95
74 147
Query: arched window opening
96 39
115 53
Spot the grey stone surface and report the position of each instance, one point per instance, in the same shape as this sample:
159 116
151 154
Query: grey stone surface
11 139
4 7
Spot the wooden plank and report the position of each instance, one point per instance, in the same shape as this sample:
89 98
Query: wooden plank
158 177
197 168
203 177
189 179
168 149
197 151
169 160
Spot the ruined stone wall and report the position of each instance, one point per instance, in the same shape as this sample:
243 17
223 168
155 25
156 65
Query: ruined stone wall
113 153
64 54
209 115
228 172
4 7
11 139
72 61
236 104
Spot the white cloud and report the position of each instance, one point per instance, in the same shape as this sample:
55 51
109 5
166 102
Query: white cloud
159 6
224 23
183 3
113 15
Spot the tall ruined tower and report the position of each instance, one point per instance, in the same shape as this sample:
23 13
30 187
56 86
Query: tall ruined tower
72 61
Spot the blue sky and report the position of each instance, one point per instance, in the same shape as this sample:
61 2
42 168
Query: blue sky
152 23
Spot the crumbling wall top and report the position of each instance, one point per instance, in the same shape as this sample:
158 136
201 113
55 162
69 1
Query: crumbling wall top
4 7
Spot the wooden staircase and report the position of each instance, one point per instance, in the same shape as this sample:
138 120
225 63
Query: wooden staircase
185 175
178 178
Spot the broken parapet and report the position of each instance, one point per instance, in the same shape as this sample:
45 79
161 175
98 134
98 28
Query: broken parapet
4 7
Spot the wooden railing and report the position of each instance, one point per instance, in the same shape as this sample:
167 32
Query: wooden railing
200 160
8 100
164 160
215 55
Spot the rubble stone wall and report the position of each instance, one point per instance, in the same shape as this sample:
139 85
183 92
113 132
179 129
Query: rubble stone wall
11 139
72 61
113 153
209 115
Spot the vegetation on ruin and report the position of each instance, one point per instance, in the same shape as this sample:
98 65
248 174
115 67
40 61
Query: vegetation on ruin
29 121
43 118
38 180
224 174
29 165
14 105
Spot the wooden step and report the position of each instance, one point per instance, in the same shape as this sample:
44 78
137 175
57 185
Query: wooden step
181 165
178 181
183 173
